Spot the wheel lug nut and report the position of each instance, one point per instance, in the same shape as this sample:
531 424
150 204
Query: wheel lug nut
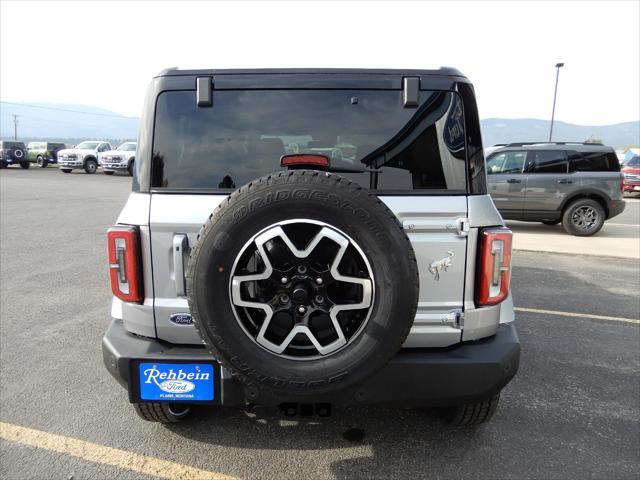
319 281
302 269
284 280
284 298
319 299
302 309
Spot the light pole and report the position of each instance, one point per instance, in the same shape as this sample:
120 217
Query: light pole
15 127
555 92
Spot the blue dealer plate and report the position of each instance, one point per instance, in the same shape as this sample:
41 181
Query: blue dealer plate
176 381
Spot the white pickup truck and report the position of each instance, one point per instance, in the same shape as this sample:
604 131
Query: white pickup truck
83 156
119 160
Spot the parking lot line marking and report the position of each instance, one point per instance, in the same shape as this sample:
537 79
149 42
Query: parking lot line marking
576 314
95 453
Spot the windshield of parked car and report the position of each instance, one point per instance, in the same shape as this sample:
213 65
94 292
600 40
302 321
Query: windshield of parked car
368 135
88 145
634 162
127 147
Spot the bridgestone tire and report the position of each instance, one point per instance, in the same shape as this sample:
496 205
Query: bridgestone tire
162 412
42 163
3 164
583 203
25 165
317 196
130 168
473 413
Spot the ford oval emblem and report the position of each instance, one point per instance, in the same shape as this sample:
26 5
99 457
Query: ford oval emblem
181 319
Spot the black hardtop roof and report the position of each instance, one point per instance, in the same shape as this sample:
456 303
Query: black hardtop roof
442 71
575 146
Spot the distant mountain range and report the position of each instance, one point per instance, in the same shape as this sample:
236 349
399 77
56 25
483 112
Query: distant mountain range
500 130
52 121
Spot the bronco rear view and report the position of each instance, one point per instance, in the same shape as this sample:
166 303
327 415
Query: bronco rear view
310 239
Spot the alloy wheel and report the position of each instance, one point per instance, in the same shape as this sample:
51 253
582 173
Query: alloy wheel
302 289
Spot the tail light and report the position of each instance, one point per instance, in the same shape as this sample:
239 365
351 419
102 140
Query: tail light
495 266
124 263
622 182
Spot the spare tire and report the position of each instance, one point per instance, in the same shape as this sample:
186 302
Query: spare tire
302 282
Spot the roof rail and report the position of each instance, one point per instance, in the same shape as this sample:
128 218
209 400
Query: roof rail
522 144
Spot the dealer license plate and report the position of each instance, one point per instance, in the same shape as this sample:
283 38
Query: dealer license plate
176 381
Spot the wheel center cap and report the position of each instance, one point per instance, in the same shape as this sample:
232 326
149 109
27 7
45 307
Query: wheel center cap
300 293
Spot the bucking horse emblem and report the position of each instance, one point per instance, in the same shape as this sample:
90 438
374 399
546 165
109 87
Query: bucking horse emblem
439 265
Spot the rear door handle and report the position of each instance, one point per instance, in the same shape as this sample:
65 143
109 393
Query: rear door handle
514 180
564 180
180 245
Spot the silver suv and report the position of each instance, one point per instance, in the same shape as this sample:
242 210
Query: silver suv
578 184
309 239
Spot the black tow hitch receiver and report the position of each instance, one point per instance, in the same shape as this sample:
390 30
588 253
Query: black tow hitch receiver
305 160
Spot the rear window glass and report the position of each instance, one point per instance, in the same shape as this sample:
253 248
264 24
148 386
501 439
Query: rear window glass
12 145
593 162
368 135
548 161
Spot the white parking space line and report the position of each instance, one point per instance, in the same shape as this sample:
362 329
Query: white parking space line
576 315
95 453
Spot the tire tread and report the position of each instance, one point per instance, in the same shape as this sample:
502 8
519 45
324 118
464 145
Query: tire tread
288 176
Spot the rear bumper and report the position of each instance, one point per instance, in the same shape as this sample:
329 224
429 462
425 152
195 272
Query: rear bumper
464 373
616 207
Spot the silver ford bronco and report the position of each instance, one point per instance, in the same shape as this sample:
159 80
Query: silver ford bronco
311 239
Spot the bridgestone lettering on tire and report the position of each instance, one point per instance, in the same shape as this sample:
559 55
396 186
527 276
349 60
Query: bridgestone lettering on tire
302 282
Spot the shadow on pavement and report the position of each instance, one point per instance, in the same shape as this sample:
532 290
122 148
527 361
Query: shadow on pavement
387 442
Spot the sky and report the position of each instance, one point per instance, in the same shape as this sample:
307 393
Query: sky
104 53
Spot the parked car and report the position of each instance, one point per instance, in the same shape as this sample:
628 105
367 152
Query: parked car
631 172
576 184
119 160
319 282
83 156
12 153
44 153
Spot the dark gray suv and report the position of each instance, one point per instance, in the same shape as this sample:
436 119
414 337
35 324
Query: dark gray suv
577 184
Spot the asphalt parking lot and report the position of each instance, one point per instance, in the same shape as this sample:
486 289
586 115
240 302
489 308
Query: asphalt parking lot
573 410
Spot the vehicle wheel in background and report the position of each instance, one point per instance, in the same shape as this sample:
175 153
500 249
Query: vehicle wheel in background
473 413
583 217
130 169
65 170
42 163
107 172
90 166
3 164
25 165
551 222
162 412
